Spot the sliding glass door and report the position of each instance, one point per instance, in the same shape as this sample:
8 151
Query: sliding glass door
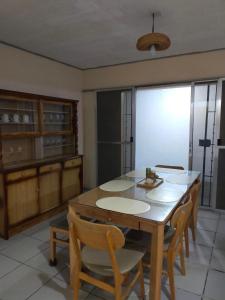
114 134
203 142
163 126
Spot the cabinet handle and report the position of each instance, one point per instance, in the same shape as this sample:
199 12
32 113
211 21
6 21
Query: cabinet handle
109 220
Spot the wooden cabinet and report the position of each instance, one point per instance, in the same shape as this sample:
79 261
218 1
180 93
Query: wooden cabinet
49 185
28 194
22 200
36 127
40 169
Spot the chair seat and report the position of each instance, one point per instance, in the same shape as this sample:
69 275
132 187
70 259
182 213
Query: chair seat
99 261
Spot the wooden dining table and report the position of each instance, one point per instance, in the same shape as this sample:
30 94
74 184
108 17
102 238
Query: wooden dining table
153 221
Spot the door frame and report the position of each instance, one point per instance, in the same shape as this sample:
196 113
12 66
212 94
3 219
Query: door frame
217 136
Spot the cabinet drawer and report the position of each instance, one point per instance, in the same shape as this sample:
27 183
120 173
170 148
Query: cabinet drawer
50 168
130 222
21 174
73 163
22 200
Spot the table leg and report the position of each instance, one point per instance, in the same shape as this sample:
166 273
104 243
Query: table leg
156 262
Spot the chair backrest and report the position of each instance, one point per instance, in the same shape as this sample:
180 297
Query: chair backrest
178 222
170 167
194 192
95 235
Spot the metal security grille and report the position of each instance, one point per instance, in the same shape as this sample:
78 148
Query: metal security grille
204 111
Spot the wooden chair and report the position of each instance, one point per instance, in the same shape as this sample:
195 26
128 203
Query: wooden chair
192 222
57 228
170 167
59 234
102 253
174 245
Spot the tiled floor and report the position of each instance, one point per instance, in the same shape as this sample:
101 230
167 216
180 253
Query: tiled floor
25 273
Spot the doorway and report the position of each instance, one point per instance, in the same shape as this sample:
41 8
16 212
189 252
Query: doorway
114 134
163 126
203 136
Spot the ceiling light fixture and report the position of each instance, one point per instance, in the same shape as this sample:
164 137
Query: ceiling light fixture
153 41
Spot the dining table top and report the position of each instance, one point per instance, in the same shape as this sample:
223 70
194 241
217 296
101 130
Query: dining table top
176 183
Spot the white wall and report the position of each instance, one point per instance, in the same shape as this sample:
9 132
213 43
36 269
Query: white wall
25 72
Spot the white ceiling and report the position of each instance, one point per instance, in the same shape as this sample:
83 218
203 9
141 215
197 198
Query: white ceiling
93 33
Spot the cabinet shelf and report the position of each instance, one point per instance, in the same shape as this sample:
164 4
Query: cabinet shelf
55 112
57 146
17 123
18 109
57 123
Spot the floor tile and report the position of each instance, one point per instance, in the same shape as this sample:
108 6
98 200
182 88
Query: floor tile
57 218
215 285
42 234
205 213
221 226
194 280
41 261
24 249
180 295
204 237
207 224
92 297
220 241
7 243
7 265
64 275
56 290
35 228
21 283
199 254
218 260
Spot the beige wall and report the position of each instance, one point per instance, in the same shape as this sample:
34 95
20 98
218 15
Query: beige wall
174 69
90 140
25 72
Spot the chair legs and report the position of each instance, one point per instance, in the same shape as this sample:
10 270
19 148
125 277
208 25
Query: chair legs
186 238
170 266
118 293
142 287
193 231
52 261
182 262
76 287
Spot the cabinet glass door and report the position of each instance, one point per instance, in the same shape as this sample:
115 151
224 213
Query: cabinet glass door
57 117
55 145
18 117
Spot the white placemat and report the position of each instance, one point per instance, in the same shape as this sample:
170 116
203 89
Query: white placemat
123 205
167 170
136 174
116 185
165 195
180 179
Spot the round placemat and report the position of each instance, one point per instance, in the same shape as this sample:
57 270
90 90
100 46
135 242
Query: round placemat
123 205
165 195
180 179
117 185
